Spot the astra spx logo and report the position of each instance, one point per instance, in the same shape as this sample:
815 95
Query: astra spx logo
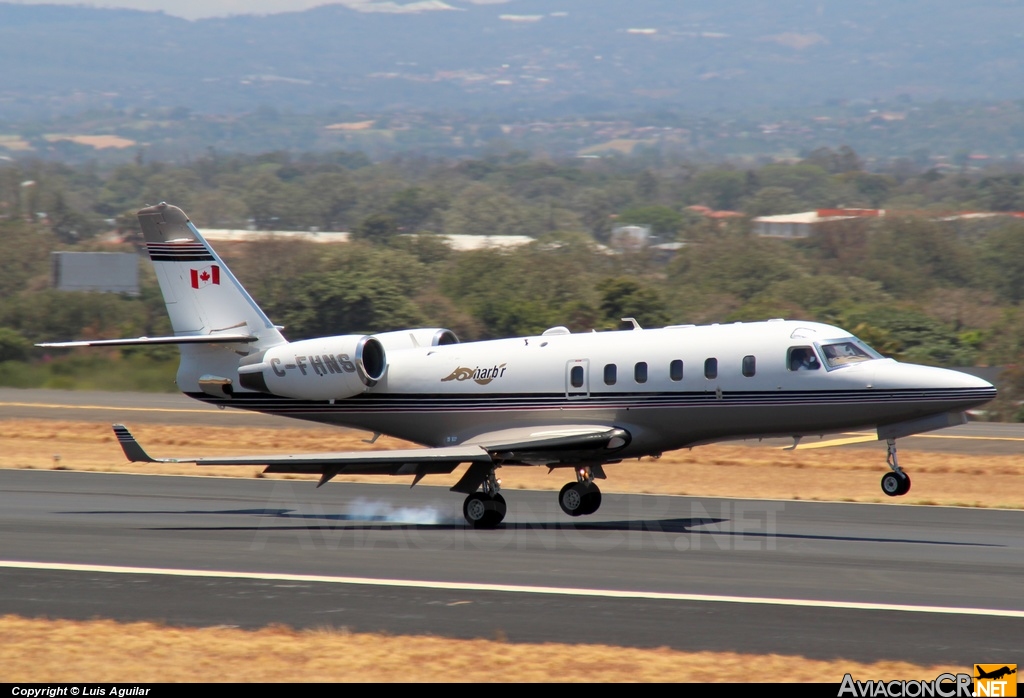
483 376
205 276
987 681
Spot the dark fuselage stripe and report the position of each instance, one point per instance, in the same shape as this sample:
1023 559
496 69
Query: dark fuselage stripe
415 403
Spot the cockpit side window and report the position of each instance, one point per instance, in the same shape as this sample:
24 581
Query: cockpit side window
802 359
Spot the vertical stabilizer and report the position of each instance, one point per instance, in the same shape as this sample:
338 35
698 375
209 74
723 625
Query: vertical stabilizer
203 298
202 295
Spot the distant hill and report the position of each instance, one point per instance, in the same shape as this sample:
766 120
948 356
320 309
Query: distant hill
547 57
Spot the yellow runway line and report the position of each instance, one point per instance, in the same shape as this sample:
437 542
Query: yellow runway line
102 407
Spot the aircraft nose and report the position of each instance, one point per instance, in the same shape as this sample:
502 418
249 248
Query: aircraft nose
939 383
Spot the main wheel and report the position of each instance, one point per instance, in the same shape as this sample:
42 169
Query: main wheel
591 500
498 509
570 498
895 485
483 510
475 510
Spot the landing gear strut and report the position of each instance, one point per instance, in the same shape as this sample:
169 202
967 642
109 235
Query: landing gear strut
582 497
896 483
485 509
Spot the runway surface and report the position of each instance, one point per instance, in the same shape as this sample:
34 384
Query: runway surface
861 582
821 580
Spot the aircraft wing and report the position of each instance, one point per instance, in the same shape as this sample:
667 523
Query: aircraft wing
521 446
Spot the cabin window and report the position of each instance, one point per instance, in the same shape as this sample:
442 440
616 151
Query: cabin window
803 359
576 376
640 372
610 374
711 368
749 366
675 370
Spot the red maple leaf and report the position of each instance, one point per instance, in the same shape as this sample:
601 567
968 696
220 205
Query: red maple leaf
205 276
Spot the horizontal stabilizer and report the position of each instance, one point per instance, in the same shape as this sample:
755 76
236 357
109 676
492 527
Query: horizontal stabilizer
142 341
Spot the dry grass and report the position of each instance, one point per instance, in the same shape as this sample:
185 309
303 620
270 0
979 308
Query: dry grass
101 650
827 474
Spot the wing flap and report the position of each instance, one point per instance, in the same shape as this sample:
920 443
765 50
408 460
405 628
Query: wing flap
356 462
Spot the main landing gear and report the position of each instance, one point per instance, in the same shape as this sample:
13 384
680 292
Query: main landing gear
581 497
485 509
896 483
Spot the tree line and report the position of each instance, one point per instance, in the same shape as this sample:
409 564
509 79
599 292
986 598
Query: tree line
917 285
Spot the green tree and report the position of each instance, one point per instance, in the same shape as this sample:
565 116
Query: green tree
378 228
13 347
772 201
665 222
626 297
480 210
360 289
1004 261
719 189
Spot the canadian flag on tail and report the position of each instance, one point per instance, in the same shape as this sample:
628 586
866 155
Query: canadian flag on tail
206 276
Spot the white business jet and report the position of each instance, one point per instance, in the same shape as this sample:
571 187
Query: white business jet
561 400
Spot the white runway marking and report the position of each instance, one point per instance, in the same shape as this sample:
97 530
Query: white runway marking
511 588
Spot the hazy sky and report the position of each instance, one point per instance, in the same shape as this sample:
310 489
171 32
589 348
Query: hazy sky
195 9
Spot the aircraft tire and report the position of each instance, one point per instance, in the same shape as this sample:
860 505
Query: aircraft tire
591 500
484 511
895 485
905 485
498 508
571 498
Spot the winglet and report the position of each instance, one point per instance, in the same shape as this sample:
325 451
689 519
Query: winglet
132 450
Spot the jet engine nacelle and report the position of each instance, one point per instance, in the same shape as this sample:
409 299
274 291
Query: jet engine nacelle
329 368
420 337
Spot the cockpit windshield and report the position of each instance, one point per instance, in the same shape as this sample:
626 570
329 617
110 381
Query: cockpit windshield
847 352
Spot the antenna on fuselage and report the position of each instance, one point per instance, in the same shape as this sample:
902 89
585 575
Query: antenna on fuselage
636 325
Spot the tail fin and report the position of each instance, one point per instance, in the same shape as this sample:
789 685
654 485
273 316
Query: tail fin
204 300
202 296
215 321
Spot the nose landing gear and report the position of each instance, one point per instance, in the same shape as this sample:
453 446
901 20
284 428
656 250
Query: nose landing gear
896 483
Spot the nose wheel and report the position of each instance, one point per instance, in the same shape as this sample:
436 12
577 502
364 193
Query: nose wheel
896 483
